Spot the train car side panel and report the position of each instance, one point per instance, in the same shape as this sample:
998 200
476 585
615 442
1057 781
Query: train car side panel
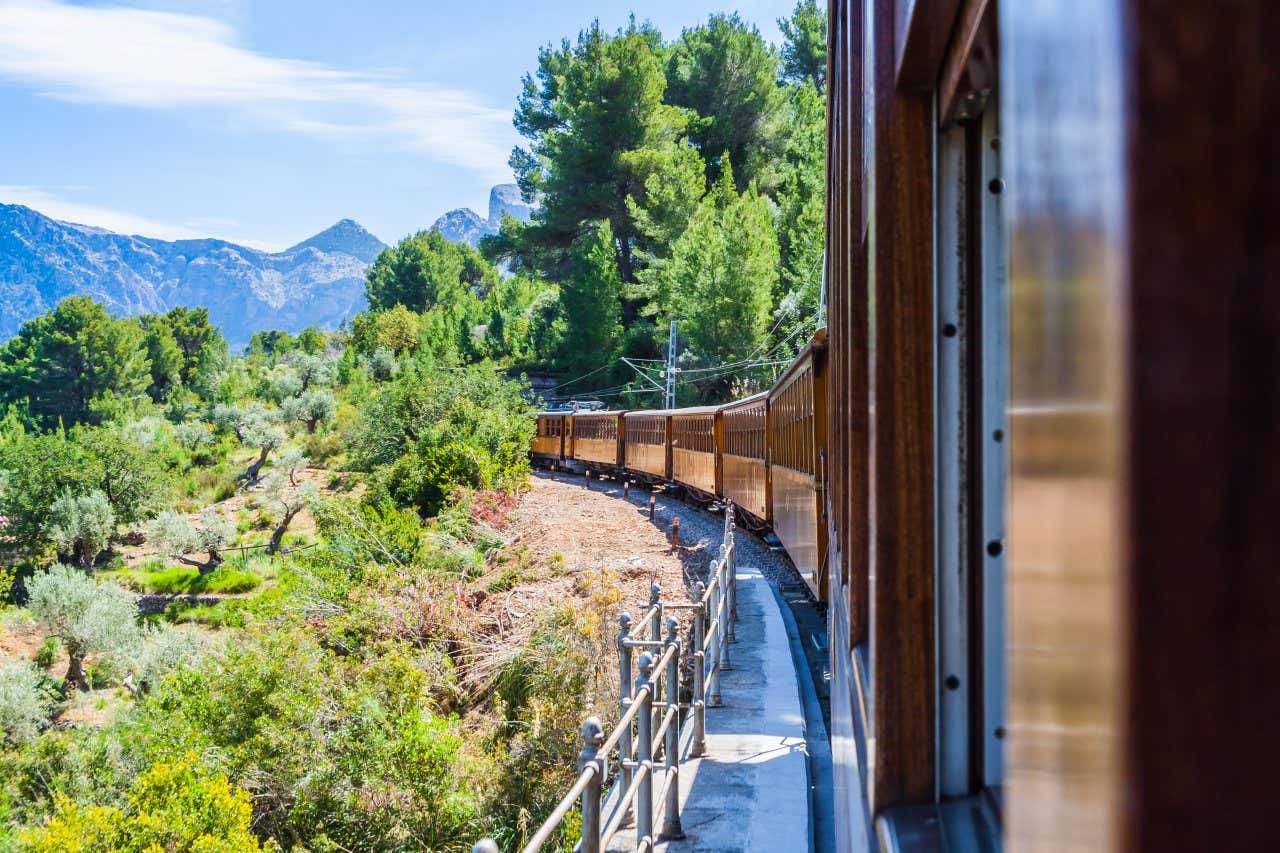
596 438
744 474
548 442
647 443
797 511
693 449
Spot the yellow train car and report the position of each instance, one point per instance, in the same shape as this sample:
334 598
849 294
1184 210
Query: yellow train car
797 426
597 438
744 472
552 441
695 439
647 442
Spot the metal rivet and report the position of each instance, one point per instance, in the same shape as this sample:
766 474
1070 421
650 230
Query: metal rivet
949 330
999 732
996 186
998 435
994 548
953 683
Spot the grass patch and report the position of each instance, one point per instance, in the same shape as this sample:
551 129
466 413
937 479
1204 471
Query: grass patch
187 580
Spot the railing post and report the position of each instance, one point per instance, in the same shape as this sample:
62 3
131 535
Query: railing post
699 700
671 828
592 737
731 582
644 758
716 620
655 605
726 616
624 696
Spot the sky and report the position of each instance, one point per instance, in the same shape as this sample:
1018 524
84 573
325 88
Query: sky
266 121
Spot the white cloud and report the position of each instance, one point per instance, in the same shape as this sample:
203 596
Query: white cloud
57 206
150 59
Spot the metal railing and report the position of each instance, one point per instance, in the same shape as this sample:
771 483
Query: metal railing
646 740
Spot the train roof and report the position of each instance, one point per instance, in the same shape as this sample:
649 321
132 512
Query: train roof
746 401
605 413
690 410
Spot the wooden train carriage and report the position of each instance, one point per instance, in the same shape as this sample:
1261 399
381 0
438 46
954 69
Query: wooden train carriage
550 441
695 437
597 438
797 429
744 471
647 442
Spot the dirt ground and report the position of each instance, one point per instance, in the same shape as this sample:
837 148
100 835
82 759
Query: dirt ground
566 543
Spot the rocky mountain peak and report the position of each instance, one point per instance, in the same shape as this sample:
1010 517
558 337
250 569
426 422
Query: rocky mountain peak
346 237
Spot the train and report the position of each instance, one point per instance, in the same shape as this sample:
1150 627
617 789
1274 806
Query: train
1032 466
763 454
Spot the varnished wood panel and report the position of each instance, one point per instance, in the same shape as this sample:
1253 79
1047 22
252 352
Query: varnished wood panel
647 443
744 484
1204 449
693 450
1063 140
922 29
902 638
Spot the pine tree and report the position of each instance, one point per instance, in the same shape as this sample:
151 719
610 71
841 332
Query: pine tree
804 48
590 106
721 276
728 74
802 216
590 298
74 363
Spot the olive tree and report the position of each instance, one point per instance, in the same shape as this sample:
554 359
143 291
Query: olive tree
25 701
80 526
311 408
287 502
265 439
175 532
88 617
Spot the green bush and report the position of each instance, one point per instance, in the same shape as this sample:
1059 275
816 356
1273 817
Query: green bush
47 654
177 805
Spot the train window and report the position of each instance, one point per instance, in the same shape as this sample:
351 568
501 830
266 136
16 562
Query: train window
971 470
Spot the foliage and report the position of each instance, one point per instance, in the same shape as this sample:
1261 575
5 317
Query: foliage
431 430
423 271
80 525
727 73
25 701
74 364
311 408
178 805
88 617
590 295
804 49
174 531
590 106
719 273
38 469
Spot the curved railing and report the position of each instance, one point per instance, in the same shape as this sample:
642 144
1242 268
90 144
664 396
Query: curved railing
644 746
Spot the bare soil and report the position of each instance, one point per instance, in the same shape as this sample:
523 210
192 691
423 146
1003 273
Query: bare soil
564 542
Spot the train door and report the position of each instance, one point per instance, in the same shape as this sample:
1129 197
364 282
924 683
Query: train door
972 352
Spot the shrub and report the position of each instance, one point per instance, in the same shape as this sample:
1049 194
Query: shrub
165 649
80 525
47 654
25 701
88 617
172 530
176 805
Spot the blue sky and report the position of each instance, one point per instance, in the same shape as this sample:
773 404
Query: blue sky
265 121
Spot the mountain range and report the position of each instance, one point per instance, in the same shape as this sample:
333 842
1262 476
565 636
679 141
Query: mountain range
318 282
464 225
